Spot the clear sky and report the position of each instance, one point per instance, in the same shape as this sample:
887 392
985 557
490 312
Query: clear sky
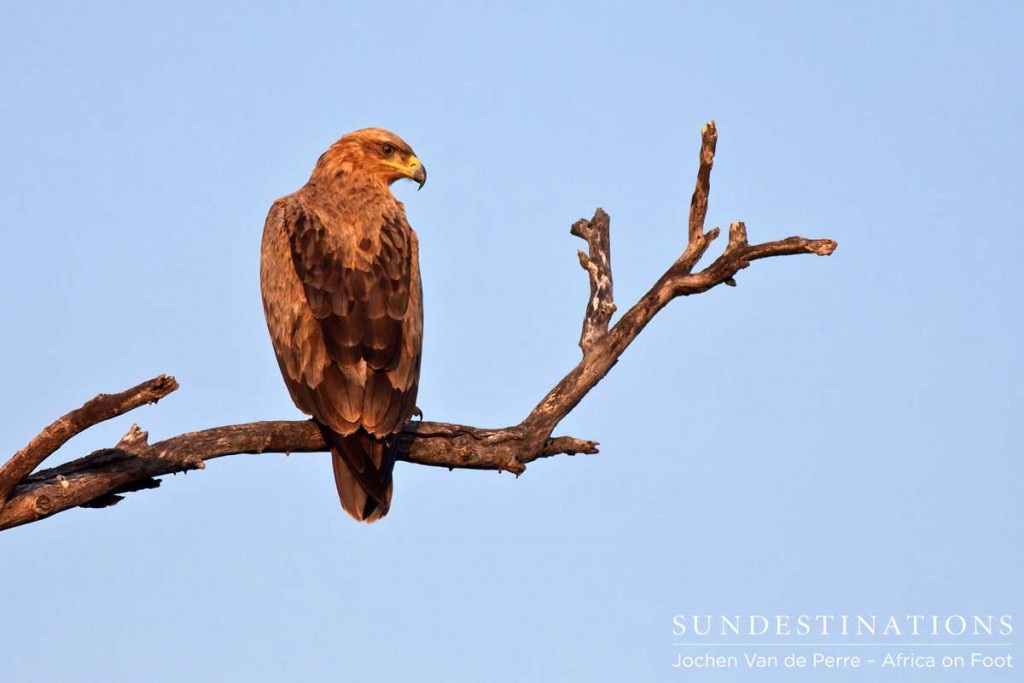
835 435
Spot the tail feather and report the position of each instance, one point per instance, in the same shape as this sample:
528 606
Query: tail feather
362 471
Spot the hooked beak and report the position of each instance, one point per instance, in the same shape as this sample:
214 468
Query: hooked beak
412 168
417 172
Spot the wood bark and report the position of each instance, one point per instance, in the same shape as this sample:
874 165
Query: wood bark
102 478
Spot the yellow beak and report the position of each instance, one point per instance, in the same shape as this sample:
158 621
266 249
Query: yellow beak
418 171
413 169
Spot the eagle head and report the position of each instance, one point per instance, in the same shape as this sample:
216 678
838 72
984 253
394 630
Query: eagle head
371 152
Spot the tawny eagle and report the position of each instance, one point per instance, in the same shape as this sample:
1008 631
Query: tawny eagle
340 277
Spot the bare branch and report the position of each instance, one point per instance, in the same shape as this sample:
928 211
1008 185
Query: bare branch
697 241
101 478
677 281
598 265
99 409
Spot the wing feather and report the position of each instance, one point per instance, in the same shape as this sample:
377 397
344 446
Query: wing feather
349 322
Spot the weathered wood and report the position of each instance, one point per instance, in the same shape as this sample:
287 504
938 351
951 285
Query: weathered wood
99 479
598 264
98 409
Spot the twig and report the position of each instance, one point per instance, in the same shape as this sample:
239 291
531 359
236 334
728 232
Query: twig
598 265
696 240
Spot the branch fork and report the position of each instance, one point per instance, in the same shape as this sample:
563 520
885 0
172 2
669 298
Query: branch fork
101 479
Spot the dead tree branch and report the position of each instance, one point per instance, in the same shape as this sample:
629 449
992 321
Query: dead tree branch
101 478
99 409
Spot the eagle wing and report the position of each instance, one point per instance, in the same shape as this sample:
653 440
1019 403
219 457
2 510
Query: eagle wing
344 308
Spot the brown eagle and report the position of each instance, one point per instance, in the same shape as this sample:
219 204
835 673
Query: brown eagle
340 277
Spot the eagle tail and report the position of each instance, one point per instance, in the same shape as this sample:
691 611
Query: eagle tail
362 471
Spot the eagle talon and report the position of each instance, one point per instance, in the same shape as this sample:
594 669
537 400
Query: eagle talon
417 414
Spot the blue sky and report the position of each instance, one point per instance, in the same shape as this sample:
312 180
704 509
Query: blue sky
833 435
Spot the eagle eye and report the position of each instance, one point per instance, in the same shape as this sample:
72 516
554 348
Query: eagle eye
388 150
